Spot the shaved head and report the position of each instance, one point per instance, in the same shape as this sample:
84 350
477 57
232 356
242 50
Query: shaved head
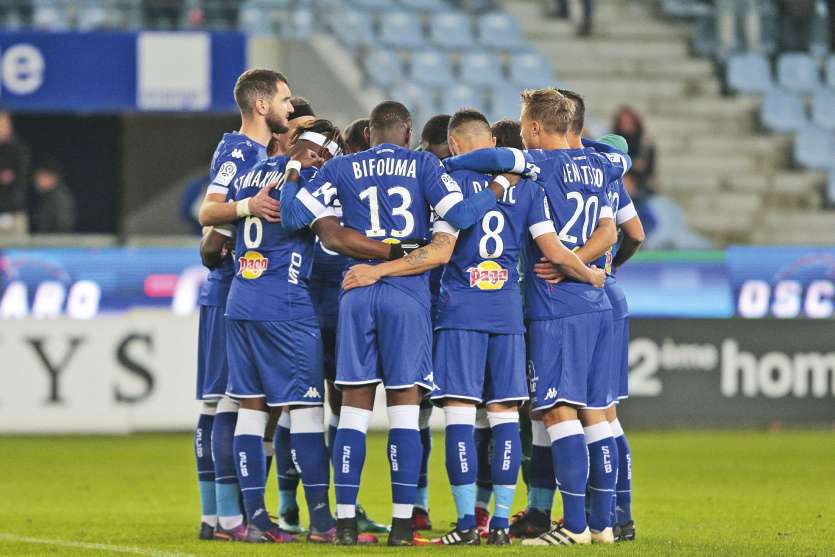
469 130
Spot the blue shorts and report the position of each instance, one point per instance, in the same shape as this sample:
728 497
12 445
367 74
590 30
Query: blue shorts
384 335
279 360
212 366
328 352
620 338
479 366
569 361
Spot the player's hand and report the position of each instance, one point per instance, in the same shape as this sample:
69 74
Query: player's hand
512 178
598 276
548 272
307 157
265 207
359 276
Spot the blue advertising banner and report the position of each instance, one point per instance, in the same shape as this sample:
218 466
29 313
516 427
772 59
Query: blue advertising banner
120 71
750 282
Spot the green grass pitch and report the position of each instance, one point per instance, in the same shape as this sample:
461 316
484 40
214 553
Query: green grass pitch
695 493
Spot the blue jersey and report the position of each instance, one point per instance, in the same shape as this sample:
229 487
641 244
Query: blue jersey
480 285
575 183
388 193
272 265
236 153
327 265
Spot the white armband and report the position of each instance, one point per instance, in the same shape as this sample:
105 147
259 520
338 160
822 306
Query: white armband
242 208
502 181
293 165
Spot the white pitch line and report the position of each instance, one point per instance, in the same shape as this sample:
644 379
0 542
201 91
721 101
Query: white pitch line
93 546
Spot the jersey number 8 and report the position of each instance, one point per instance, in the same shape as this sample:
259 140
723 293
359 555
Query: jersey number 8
491 233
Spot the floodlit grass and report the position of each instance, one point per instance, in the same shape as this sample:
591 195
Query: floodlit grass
695 493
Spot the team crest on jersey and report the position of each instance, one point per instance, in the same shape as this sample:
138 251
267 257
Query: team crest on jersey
489 275
253 265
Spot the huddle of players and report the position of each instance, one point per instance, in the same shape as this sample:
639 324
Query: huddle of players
483 208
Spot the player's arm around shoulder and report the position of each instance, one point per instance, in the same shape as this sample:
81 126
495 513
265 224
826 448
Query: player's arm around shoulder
567 261
422 259
214 244
217 208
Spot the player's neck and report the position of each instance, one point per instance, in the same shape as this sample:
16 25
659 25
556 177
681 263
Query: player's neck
552 142
574 141
392 138
256 130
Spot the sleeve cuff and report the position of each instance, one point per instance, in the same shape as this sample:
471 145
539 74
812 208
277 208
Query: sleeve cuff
626 214
444 227
541 228
606 212
328 212
217 188
448 202
227 230
518 161
311 203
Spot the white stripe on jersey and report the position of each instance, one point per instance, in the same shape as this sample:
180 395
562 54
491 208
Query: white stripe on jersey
448 202
214 188
541 228
311 203
606 212
626 214
445 227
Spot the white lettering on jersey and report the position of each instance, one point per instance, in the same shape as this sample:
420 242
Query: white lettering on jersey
385 167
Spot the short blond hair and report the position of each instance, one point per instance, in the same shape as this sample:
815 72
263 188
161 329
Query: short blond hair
550 108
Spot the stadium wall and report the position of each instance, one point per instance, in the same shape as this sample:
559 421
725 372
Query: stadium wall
135 371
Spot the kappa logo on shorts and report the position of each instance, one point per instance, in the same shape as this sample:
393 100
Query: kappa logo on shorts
489 275
312 392
552 393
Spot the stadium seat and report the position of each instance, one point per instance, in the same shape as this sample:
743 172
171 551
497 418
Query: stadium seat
797 72
705 40
93 15
498 31
530 70
823 108
815 148
748 73
50 16
830 72
782 111
460 96
383 68
481 69
420 103
451 30
253 18
352 28
504 103
685 8
431 68
301 23
401 30
371 4
424 5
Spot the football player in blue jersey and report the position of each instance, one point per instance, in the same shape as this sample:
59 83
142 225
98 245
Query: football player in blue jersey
261 96
384 333
569 335
355 136
479 345
632 235
274 346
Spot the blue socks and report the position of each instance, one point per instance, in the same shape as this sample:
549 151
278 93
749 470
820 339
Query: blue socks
288 476
623 508
349 458
543 487
229 512
307 440
205 464
484 480
571 463
507 457
404 452
333 423
461 461
251 461
602 474
422 499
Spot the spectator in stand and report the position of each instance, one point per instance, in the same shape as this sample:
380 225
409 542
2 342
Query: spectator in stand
795 24
561 9
53 210
628 123
14 176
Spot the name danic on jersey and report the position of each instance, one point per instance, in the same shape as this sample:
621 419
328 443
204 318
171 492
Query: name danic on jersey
385 167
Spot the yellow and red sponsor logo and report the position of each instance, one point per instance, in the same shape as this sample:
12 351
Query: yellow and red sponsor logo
253 265
489 275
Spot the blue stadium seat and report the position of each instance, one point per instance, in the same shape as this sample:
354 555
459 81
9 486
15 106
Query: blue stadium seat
431 68
815 148
685 8
748 73
383 67
481 69
50 16
93 15
252 19
451 30
823 108
830 72
371 4
424 5
499 31
352 28
797 72
401 30
504 103
782 111
420 104
460 96
530 70
301 23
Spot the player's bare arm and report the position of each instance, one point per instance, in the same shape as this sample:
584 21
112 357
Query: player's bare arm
347 241
216 211
214 245
419 261
633 237
567 261
605 235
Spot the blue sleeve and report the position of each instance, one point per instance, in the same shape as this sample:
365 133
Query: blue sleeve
466 213
620 161
300 204
499 159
